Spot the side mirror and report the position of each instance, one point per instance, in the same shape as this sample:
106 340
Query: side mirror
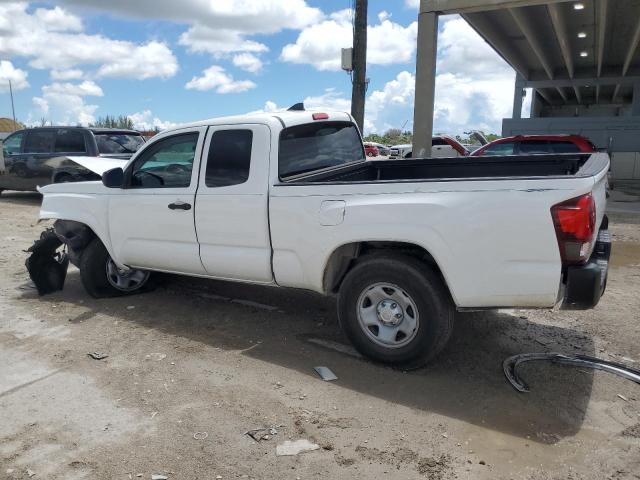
113 178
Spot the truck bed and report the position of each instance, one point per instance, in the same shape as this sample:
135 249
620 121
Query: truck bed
456 168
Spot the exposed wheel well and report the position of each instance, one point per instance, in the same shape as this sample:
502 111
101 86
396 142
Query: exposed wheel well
345 257
75 235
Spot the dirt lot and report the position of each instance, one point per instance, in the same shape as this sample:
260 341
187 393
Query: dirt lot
198 356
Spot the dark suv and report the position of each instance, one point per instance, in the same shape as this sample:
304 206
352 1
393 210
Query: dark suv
38 156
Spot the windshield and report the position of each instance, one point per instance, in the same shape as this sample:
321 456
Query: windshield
118 142
309 147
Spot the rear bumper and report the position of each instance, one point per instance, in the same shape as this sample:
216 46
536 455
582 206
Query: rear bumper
585 284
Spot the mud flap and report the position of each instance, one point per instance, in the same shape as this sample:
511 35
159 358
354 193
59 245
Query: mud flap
46 266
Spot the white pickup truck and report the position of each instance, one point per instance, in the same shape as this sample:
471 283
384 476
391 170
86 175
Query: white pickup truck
289 200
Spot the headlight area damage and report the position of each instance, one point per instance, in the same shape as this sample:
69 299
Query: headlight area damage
51 253
511 364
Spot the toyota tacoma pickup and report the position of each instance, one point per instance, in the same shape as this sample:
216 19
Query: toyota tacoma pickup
289 200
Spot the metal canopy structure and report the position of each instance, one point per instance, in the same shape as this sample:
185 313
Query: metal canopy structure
593 48
582 58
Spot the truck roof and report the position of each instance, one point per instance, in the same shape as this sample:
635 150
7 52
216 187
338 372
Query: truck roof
286 118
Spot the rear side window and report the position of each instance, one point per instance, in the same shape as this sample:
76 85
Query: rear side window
116 143
313 146
565 147
499 149
70 141
229 158
438 142
533 147
39 141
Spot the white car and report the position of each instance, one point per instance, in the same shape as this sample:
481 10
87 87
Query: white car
289 200
442 146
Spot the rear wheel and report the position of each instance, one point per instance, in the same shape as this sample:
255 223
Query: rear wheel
64 178
102 278
396 310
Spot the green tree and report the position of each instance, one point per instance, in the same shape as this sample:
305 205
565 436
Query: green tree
108 121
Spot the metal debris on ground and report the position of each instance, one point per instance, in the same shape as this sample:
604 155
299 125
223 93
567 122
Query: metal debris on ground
289 447
510 365
200 435
622 397
97 355
325 374
30 472
47 266
259 434
157 476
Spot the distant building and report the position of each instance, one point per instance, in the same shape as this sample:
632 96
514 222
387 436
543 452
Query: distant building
7 127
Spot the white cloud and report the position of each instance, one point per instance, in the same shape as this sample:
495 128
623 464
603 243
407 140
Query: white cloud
247 62
64 103
412 3
218 42
320 44
154 59
86 88
216 78
68 74
248 16
331 99
53 39
17 76
41 104
58 20
145 120
219 27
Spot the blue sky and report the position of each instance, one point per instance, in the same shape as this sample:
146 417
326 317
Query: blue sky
164 62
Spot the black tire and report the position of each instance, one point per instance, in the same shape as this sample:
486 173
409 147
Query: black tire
63 178
427 291
93 273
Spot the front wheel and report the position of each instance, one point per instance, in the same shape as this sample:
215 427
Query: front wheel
396 310
102 278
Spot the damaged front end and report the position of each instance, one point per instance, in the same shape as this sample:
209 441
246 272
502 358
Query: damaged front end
51 253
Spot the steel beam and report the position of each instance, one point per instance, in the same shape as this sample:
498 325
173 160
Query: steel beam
523 23
503 46
469 6
544 95
601 15
580 82
633 46
576 89
559 26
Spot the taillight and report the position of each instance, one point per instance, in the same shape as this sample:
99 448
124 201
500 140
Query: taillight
320 116
575 223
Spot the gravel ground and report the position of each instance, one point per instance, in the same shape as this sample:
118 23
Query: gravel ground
195 364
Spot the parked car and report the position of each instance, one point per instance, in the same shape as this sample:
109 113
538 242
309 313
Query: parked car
371 150
39 156
402 244
383 150
536 144
441 146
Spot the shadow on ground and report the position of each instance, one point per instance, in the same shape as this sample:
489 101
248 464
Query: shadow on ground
465 382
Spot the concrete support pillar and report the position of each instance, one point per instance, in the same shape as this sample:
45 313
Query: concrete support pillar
536 104
518 97
425 84
635 105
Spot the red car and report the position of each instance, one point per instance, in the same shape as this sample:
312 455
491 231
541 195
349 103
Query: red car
535 145
371 151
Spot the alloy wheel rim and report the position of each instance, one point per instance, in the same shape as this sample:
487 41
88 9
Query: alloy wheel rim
125 280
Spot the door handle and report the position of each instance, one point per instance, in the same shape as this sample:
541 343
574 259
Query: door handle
180 206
